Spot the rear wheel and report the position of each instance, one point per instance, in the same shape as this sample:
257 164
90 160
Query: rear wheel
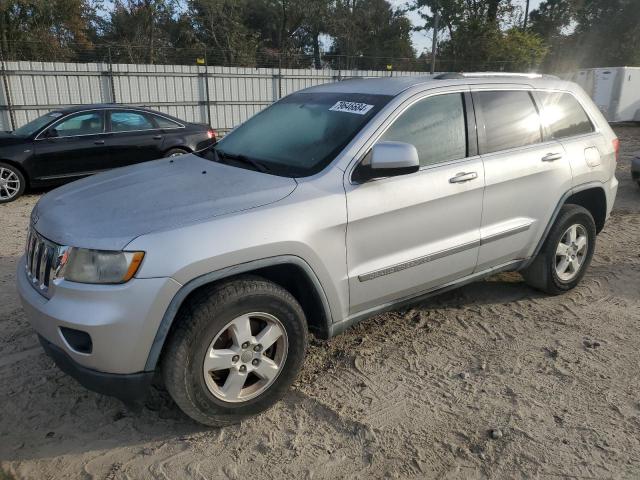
175 152
236 349
566 253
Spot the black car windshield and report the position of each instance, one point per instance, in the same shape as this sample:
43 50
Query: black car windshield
302 133
35 125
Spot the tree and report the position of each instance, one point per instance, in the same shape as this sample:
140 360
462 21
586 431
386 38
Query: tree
370 28
219 26
46 29
138 30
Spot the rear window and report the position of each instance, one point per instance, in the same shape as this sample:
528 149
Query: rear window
507 119
563 116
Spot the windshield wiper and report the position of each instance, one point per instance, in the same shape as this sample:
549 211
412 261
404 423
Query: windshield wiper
220 156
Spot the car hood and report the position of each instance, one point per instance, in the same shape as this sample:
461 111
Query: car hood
109 210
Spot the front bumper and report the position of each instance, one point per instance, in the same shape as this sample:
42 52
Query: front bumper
131 388
122 320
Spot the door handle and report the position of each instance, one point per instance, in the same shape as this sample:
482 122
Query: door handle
157 137
99 142
463 177
551 157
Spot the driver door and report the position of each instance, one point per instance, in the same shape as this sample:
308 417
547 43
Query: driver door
411 233
73 147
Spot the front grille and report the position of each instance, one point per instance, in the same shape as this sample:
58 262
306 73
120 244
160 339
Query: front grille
42 259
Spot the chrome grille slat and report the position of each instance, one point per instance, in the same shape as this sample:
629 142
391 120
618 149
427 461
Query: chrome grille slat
41 261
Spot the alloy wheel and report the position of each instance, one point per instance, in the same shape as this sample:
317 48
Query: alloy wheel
9 183
246 357
571 252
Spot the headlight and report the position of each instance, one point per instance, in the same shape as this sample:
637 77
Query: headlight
99 266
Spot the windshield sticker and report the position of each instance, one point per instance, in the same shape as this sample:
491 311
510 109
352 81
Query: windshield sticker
351 107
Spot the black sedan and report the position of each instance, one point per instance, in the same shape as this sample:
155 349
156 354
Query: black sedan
64 145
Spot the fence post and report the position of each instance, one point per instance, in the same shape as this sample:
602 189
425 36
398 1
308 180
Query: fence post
7 91
206 86
279 75
110 76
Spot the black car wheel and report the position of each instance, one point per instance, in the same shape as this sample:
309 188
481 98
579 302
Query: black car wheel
12 183
236 349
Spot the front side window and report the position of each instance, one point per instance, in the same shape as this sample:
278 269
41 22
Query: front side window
563 115
509 119
435 126
88 123
302 133
130 121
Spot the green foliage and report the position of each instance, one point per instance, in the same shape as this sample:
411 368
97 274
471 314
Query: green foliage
481 45
61 25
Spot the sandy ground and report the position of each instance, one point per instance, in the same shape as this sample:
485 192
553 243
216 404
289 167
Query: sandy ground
493 380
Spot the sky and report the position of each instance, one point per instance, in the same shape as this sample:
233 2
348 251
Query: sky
422 40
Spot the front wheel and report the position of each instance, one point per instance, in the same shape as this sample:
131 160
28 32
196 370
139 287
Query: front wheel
565 254
236 349
12 183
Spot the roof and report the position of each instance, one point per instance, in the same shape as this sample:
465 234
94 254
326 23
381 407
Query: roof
104 106
395 85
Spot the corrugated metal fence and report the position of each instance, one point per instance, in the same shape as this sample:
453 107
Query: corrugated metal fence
222 96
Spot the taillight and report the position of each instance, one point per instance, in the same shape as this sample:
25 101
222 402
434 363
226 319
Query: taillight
211 133
616 148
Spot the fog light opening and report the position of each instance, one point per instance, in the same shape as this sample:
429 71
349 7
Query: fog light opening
78 340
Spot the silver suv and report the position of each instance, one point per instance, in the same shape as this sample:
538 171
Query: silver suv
335 203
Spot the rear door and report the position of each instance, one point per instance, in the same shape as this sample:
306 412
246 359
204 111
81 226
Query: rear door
74 146
587 150
135 137
414 232
526 175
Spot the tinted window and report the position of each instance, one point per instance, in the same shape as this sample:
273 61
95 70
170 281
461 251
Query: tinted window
510 119
435 126
563 115
128 121
81 124
165 122
34 125
300 134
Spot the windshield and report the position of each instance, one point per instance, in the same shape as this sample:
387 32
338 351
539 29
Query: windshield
35 125
302 133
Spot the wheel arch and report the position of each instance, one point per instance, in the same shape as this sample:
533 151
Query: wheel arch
290 272
18 166
590 196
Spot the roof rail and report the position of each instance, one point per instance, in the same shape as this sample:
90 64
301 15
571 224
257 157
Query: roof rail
454 75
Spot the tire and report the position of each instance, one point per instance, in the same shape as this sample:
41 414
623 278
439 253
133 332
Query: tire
205 321
175 152
547 272
12 183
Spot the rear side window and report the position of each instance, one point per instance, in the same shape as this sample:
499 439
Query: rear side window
165 122
435 126
563 116
130 121
510 119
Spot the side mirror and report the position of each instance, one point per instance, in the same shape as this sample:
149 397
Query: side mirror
389 159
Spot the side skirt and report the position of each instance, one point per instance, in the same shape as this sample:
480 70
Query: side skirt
341 326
